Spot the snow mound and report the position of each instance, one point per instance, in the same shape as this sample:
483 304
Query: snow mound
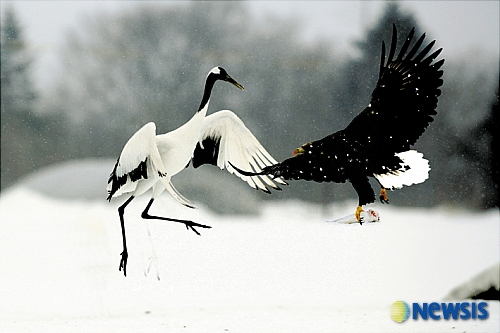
86 179
485 285
284 270
77 179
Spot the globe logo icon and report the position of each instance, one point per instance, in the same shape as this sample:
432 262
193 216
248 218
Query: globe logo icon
400 311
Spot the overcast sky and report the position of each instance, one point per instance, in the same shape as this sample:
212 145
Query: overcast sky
461 27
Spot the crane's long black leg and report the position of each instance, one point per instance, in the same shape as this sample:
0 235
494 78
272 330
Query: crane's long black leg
124 254
188 224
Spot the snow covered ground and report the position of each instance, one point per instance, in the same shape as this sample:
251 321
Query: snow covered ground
285 270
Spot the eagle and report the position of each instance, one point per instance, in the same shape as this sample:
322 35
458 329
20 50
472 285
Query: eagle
377 143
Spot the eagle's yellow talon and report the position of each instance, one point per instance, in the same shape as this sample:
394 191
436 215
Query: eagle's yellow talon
359 209
383 196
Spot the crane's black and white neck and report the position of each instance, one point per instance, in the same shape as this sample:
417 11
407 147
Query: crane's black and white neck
217 73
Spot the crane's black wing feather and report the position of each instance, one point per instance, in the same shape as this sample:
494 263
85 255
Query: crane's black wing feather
208 154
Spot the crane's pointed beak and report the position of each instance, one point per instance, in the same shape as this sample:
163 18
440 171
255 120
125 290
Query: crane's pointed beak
233 81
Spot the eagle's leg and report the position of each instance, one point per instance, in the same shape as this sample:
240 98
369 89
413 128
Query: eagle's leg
189 224
365 194
383 196
359 209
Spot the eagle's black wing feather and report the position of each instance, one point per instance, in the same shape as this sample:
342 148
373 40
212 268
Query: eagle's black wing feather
403 102
319 162
402 105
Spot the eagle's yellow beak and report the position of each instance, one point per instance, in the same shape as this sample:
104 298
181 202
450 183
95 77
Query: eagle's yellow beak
298 151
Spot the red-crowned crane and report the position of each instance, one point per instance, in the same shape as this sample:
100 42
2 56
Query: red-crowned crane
150 161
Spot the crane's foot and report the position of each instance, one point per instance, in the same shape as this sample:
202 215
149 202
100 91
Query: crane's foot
191 225
359 209
383 196
123 262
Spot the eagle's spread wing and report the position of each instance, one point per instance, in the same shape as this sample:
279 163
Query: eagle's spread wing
138 160
377 141
225 138
404 100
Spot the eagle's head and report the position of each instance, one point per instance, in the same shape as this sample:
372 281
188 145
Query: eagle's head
298 151
301 150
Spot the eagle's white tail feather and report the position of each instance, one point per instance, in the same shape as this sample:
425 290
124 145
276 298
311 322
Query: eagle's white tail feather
414 170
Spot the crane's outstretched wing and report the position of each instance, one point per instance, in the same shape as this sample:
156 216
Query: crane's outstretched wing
139 159
225 138
404 100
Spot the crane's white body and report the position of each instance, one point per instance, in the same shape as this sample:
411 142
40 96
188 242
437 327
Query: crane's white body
168 154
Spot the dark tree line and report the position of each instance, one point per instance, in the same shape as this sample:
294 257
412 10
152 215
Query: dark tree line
25 133
149 65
